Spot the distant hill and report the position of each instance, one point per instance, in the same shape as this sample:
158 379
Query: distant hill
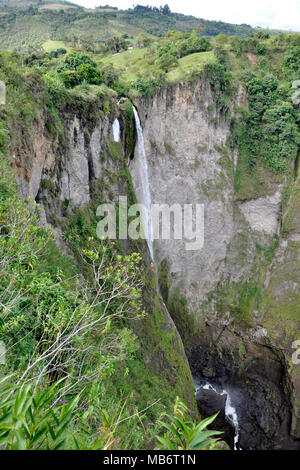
30 23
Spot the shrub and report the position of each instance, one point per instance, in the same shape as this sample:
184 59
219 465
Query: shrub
70 78
110 75
74 59
269 130
166 62
184 434
291 59
32 418
261 48
89 73
194 44
221 82
58 52
281 135
148 86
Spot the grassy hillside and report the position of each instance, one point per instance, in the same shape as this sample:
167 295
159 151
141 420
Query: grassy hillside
135 62
28 24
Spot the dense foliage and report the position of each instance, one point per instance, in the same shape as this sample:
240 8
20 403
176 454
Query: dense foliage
270 129
184 434
60 318
27 26
64 337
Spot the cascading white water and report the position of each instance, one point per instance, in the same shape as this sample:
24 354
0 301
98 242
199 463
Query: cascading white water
144 182
116 130
230 411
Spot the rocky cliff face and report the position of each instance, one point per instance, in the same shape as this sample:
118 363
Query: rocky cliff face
75 171
189 162
64 167
236 300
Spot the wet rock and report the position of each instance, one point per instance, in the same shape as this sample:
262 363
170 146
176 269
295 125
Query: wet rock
209 403
259 391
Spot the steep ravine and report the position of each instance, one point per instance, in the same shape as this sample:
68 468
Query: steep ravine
68 177
235 302
252 246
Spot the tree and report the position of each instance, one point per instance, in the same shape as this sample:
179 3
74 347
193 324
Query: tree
221 39
58 331
74 59
115 44
261 48
90 74
291 59
70 78
193 44
165 10
77 67
110 75
87 42
143 40
166 62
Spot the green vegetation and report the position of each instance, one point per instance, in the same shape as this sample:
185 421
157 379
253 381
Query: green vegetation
88 334
144 70
129 131
189 66
267 133
45 302
57 327
76 68
50 46
183 434
44 299
270 129
29 421
31 25
35 419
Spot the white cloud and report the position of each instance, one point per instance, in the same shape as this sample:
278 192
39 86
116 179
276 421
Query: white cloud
275 14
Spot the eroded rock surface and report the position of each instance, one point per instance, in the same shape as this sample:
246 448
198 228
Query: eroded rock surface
245 279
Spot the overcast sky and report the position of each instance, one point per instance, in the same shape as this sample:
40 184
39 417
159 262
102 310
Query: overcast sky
278 14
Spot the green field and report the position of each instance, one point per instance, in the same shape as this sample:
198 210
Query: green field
50 45
135 62
187 65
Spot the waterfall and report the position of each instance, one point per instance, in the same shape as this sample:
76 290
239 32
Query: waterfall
144 182
116 130
230 411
